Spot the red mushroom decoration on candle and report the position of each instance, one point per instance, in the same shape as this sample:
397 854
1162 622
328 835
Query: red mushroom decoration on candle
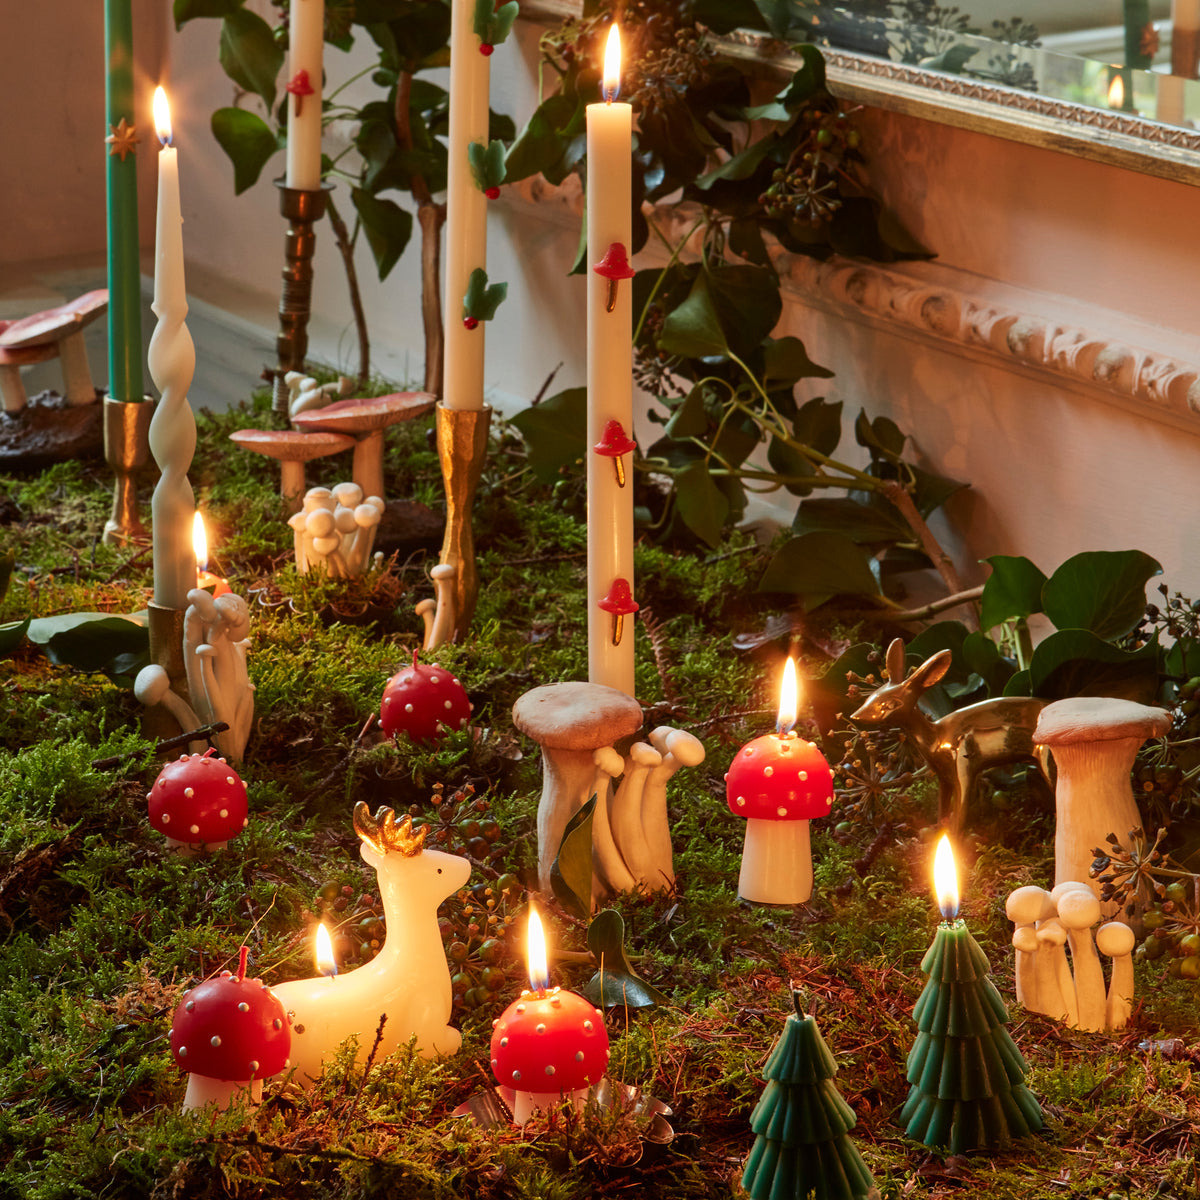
615 443
548 1045
614 266
621 604
778 782
423 702
300 86
198 802
229 1033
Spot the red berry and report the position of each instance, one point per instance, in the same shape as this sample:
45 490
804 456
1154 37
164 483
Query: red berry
486 49
470 322
420 701
492 193
198 800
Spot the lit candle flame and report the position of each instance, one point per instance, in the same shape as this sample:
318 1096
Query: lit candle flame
789 701
610 84
945 879
200 542
162 116
1116 92
326 963
535 955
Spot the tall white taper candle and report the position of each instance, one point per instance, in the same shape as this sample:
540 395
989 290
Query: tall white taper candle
609 373
172 360
306 39
466 209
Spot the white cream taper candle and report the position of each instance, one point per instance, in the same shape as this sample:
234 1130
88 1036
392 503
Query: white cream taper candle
172 361
306 39
466 209
609 376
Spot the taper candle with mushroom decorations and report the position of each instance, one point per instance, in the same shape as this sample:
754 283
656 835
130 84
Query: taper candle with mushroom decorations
609 376
967 1075
172 359
306 42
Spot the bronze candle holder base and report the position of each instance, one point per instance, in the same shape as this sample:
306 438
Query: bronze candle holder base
166 651
302 208
462 436
126 450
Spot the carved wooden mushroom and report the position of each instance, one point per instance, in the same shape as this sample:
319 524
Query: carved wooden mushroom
366 420
1094 740
570 722
60 330
12 389
293 450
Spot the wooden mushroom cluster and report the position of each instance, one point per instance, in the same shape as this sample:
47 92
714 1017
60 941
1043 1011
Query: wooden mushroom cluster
55 333
577 726
1047 924
335 530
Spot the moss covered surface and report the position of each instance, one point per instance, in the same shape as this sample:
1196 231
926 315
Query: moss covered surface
101 930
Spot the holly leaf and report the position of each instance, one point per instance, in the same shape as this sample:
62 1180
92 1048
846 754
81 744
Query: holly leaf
482 299
1103 591
616 984
249 53
487 164
571 874
388 228
493 25
248 140
1013 590
555 432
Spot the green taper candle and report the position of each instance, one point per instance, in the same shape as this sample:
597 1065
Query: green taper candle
124 275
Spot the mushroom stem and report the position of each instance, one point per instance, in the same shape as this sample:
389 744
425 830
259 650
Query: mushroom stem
367 470
619 468
566 777
291 483
220 1093
525 1104
425 610
1116 939
776 862
77 375
627 829
153 686
678 749
1056 985
610 874
618 625
443 622
12 390
610 301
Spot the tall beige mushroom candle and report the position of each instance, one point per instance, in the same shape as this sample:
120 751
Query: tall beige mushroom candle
779 782
306 38
1116 940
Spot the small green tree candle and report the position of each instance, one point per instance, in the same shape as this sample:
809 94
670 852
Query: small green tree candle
803 1148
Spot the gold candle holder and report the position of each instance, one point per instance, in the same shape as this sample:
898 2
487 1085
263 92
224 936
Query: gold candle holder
462 436
166 651
302 208
126 450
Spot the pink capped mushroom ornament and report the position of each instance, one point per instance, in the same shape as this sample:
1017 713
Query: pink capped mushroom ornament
615 443
229 1034
198 802
779 783
423 702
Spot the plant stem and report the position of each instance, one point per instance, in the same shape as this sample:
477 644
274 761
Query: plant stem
968 596
345 245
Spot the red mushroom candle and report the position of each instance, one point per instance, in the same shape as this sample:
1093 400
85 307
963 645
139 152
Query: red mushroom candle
423 702
548 1045
229 1033
778 782
198 802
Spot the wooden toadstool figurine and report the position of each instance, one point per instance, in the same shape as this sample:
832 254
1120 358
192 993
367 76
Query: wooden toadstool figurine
229 1034
778 782
198 802
423 702
293 449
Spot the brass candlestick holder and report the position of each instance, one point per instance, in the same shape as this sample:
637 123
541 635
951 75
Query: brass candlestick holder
166 651
126 449
462 435
302 208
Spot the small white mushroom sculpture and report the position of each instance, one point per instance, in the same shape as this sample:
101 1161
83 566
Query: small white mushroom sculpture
1116 940
335 531
1025 907
153 686
1094 740
305 393
1054 982
438 614
1079 910
215 642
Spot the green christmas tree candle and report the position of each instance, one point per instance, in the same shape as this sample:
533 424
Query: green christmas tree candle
802 1148
967 1075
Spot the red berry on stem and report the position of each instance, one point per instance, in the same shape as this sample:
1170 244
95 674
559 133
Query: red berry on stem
486 49
492 193
470 322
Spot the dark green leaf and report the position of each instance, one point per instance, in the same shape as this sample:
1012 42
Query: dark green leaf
702 506
1103 591
746 241
544 142
929 491
786 461
828 694
249 53
12 635
862 523
693 328
248 141
739 166
1075 662
187 10
820 563
388 228
943 635
690 418
616 983
806 81
1018 685
7 562
785 361
482 299
818 424
724 16
983 658
882 436
779 16
571 874
749 304
421 30
1012 592
555 432
487 164
91 641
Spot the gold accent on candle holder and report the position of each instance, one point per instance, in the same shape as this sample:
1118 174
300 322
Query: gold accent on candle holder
462 436
302 208
126 450
166 650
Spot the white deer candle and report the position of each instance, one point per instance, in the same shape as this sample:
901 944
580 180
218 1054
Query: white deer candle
466 208
609 379
306 39
408 981
172 361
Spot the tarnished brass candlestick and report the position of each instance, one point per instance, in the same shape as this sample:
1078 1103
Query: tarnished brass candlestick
166 651
302 208
462 435
126 449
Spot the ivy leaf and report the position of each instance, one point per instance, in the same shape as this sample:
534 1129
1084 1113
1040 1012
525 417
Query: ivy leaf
829 695
541 146
249 142
493 25
819 424
1103 591
785 361
555 432
388 228
12 635
827 564
882 436
7 563
746 241
748 302
187 10
693 329
249 54
1077 662
702 506
487 164
571 874
779 16
739 166
616 984
1013 590
94 641
482 299
806 81
861 523
983 658
690 419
